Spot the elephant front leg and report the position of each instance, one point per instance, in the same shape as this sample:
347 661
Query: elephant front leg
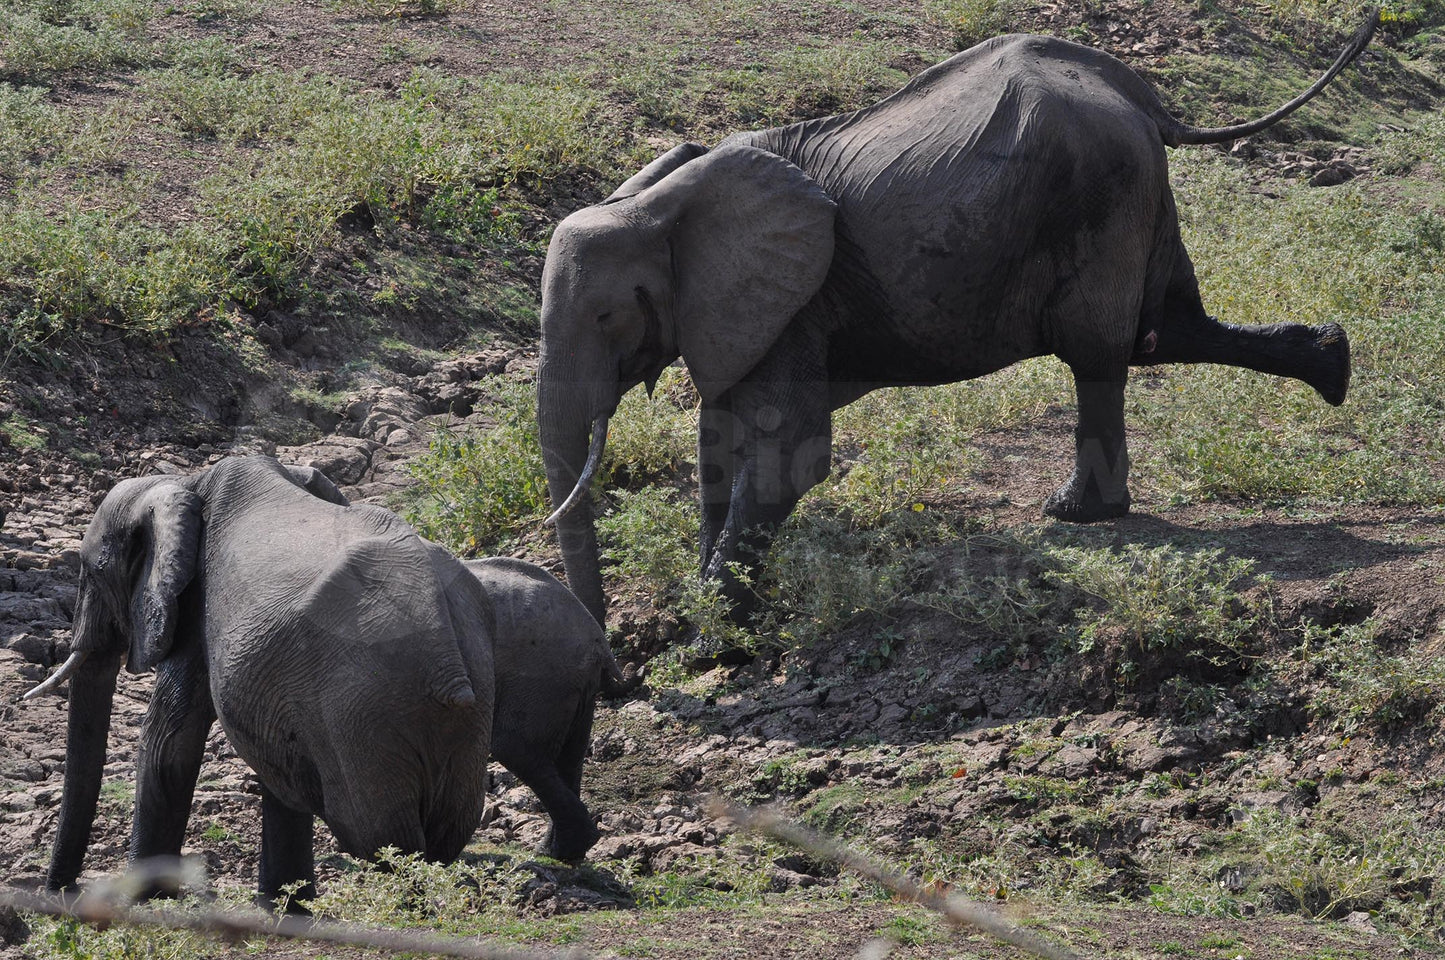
173 743
286 856
1099 487
716 456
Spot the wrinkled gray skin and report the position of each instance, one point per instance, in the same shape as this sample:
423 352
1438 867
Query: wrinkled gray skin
551 660
348 660
1008 203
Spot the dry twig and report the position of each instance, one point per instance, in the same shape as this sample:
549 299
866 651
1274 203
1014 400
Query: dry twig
99 910
958 910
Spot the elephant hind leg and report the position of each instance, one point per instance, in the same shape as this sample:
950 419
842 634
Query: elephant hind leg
1318 356
1099 486
555 776
286 856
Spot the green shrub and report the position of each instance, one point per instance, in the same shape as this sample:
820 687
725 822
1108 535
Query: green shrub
1157 599
38 40
474 490
1362 687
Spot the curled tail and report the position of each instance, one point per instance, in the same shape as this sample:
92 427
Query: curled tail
618 683
1176 133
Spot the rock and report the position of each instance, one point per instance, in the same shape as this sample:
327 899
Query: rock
1333 175
34 649
13 928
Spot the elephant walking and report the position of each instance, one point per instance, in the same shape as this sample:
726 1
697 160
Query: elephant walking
1011 202
348 661
552 660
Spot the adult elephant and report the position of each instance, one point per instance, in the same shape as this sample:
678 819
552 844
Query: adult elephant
1011 202
348 660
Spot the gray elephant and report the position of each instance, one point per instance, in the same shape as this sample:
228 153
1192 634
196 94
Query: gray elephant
552 660
347 659
1011 202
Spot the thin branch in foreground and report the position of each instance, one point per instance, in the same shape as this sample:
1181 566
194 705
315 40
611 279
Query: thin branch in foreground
958 910
100 912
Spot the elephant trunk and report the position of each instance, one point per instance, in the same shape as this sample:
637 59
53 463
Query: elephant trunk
570 465
92 688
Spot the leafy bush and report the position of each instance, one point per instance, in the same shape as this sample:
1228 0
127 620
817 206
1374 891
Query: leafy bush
1159 599
474 490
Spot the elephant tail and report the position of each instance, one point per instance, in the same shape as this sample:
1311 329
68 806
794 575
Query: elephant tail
1176 133
618 683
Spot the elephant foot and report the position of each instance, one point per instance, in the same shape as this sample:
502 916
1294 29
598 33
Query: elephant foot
569 846
282 903
1075 505
1331 371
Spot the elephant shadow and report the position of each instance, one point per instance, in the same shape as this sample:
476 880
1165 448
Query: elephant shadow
923 676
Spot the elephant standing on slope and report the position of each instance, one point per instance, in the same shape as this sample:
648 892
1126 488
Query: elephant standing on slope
348 660
1011 202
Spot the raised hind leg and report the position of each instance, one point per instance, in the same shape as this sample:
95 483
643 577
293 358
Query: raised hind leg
1319 356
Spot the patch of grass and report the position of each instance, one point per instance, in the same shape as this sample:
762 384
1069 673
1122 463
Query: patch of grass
75 266
1160 598
973 21
810 81
403 890
23 434
40 40
1362 687
474 490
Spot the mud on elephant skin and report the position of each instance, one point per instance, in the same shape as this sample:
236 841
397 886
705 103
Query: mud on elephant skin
1011 202
347 659
552 660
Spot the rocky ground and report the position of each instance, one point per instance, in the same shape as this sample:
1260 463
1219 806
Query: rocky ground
925 743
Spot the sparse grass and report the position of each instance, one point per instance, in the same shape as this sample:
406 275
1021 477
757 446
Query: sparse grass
40 40
1362 687
973 21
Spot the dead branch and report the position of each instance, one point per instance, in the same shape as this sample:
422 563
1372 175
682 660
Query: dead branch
958 910
101 912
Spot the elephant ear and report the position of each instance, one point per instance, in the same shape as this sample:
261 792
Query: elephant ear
656 170
317 484
752 240
167 535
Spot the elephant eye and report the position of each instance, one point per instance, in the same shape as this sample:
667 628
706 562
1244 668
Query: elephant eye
604 317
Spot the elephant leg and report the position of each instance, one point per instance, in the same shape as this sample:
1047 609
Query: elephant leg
554 774
1319 356
572 832
716 457
1185 333
286 856
1099 487
173 743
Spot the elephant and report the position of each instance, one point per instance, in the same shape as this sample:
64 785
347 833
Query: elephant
552 660
1010 202
347 659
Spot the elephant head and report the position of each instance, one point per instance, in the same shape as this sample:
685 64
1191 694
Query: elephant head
138 555
702 255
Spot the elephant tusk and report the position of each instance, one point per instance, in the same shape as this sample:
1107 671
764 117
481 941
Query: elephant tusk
67 669
589 470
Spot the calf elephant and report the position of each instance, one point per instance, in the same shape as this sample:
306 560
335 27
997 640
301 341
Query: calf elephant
1011 202
348 661
552 659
